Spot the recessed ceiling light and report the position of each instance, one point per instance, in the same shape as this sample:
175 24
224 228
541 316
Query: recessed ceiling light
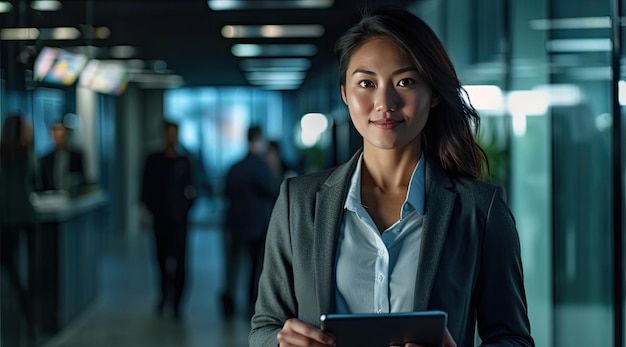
273 50
19 34
5 6
223 5
272 31
578 45
60 33
275 64
280 86
46 5
276 76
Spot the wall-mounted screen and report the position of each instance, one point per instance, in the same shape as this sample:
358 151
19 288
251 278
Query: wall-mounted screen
58 66
104 77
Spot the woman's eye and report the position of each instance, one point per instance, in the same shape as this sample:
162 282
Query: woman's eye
366 84
405 82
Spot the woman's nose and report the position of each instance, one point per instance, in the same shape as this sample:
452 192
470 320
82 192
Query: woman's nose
387 100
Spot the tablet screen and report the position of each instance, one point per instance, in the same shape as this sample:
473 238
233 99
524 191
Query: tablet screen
425 328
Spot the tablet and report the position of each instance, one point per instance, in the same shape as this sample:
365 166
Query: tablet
426 328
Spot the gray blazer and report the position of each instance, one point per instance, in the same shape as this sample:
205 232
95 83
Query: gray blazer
470 264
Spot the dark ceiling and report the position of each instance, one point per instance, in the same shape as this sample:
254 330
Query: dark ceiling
185 34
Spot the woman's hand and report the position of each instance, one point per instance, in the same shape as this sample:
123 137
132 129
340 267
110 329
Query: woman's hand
448 341
298 333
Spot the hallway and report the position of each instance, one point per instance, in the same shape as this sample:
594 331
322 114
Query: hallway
124 314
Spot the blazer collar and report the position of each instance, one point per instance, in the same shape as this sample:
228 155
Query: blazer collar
438 206
329 211
439 203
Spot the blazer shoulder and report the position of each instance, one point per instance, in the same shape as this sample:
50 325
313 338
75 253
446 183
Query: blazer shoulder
311 181
479 190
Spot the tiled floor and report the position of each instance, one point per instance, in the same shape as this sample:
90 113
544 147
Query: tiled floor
124 314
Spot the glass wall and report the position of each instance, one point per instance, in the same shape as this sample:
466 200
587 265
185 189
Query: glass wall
580 59
539 72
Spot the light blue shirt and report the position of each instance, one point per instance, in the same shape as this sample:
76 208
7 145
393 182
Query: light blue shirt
376 272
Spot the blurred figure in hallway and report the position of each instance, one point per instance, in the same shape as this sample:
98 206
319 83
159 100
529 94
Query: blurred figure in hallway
17 214
277 163
251 189
168 194
62 168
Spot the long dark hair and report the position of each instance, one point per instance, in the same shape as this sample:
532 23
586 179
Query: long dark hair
449 134
12 145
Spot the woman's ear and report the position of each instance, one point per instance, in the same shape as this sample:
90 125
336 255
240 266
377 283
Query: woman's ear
343 94
434 101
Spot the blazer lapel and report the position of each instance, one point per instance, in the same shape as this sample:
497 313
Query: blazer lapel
438 210
328 212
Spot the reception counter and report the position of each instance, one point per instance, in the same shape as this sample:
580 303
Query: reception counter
67 249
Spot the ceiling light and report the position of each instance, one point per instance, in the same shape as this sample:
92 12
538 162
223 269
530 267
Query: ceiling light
223 5
571 23
272 31
578 45
276 64
62 33
274 83
273 50
16 34
281 87
275 76
5 6
46 5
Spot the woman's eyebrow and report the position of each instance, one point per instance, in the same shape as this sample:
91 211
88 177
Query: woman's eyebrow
365 71
405 69
399 71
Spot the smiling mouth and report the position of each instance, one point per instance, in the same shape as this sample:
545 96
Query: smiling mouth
386 123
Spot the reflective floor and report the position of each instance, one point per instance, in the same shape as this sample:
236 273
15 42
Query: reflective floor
124 314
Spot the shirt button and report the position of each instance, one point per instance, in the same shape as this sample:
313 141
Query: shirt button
379 278
380 252
379 311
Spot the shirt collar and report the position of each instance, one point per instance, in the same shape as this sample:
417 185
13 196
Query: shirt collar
415 194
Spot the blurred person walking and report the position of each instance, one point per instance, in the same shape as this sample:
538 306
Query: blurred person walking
251 190
277 163
168 194
17 214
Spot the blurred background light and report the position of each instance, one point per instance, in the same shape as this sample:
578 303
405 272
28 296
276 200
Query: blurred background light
276 76
578 45
571 23
272 31
275 64
273 50
5 6
312 125
223 5
11 34
486 97
46 5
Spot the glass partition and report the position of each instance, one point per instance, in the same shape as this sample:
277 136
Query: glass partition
539 72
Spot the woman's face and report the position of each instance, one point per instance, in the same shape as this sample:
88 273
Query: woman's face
388 100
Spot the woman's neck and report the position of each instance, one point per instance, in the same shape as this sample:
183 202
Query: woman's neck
389 169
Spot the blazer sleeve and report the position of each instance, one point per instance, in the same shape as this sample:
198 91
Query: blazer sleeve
501 299
276 301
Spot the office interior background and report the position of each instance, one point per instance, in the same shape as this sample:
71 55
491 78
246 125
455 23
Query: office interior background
545 75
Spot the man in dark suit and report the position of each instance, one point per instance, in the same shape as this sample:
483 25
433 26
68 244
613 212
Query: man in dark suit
62 168
251 190
168 193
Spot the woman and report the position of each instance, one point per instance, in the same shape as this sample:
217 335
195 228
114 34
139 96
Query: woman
405 224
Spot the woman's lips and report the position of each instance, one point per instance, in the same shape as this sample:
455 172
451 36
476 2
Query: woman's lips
386 123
